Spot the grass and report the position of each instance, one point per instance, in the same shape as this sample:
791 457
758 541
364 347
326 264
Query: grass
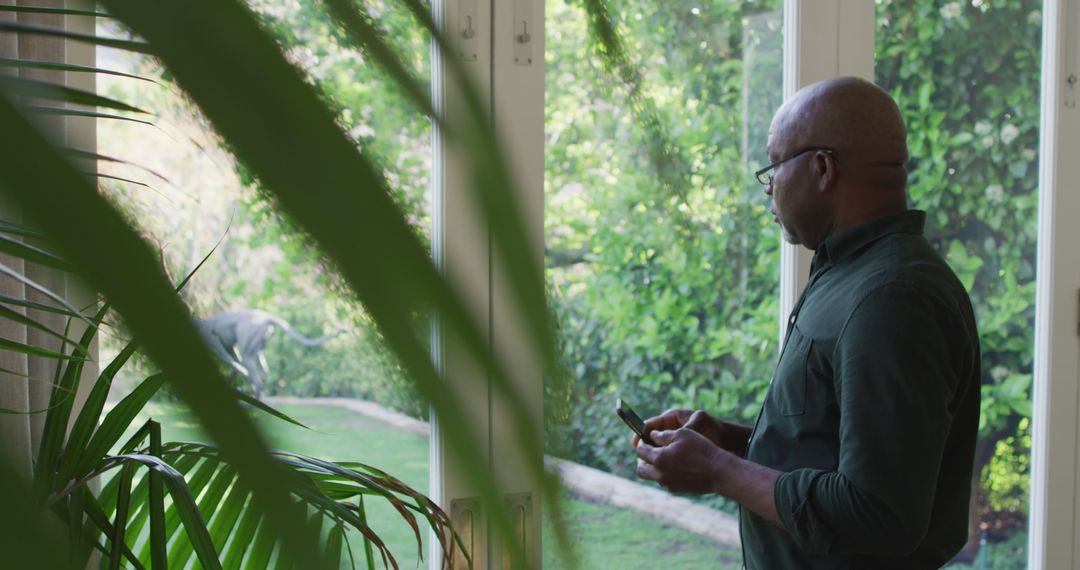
607 537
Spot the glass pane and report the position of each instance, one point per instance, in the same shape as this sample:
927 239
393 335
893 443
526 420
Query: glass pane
967 77
662 258
266 296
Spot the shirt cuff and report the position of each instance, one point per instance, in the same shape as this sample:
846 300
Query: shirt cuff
792 495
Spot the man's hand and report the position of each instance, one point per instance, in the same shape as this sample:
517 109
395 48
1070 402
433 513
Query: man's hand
729 437
684 461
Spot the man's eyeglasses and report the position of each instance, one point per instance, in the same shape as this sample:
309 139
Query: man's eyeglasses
765 177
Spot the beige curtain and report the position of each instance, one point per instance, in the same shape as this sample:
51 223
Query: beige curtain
20 434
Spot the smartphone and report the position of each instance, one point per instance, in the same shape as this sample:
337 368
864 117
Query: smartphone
633 420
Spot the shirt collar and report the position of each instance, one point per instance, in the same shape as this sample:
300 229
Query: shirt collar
843 244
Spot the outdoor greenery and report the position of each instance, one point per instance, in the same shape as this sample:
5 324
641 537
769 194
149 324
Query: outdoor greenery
666 298
616 537
967 78
144 500
339 435
672 302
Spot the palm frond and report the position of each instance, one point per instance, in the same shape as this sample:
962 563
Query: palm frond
309 179
50 10
122 267
55 66
126 45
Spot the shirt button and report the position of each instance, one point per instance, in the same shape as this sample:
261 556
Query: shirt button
792 319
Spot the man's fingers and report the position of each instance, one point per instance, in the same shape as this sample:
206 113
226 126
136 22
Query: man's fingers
647 453
647 471
700 422
671 419
662 437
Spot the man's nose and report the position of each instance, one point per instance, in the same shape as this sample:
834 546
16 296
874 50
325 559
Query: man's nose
768 188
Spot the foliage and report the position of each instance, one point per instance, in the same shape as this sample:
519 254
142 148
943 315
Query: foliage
1009 554
667 317
210 513
1006 476
671 300
319 180
967 77
263 260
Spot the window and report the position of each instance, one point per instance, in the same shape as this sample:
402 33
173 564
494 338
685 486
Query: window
662 259
967 76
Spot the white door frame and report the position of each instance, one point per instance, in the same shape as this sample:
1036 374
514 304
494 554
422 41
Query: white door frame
459 242
822 40
507 66
1054 516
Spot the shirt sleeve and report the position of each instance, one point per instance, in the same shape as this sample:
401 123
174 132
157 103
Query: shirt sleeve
895 377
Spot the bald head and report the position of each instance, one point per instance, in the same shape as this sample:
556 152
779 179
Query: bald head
841 146
855 118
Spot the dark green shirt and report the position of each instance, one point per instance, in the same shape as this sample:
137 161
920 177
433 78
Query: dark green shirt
873 409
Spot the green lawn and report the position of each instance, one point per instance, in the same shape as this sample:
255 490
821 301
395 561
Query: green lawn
606 537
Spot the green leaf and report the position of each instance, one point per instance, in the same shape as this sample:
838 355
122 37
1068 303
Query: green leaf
16 374
98 518
116 423
43 110
54 66
101 157
171 516
181 549
185 505
121 179
45 90
333 544
20 302
259 404
23 348
21 318
126 45
158 558
261 549
120 521
148 507
120 265
76 457
46 292
48 10
961 139
364 31
32 253
369 555
241 539
21 230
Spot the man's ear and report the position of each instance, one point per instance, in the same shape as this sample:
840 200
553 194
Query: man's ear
824 168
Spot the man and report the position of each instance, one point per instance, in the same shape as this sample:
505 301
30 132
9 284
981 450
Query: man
862 453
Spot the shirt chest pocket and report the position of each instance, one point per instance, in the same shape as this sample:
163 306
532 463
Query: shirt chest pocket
792 375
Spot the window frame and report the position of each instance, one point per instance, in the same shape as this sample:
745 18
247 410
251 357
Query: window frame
1054 507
